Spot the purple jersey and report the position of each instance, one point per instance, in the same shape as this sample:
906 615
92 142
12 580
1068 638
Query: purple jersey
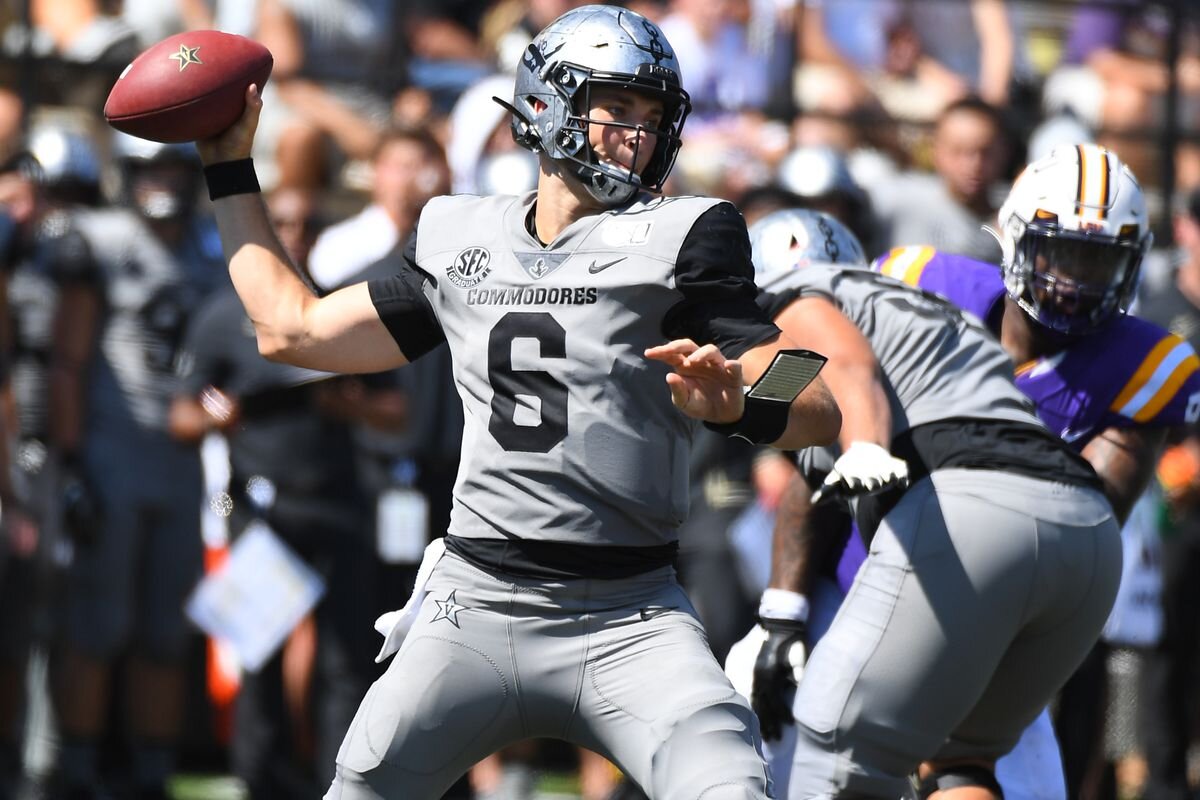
1130 373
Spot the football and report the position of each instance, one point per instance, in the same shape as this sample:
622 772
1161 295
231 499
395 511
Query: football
188 86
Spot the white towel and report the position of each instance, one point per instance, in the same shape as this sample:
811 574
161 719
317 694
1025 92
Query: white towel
395 625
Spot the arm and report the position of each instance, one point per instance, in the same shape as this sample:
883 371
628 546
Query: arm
341 332
1125 459
852 372
76 323
996 49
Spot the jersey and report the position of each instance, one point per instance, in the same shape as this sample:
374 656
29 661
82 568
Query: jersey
148 292
570 435
1130 373
32 303
936 362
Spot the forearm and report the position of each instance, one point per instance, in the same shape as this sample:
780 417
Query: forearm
791 539
996 50
1125 459
274 291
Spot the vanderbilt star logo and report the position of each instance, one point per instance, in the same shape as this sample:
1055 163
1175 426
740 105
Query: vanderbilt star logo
186 55
594 268
448 609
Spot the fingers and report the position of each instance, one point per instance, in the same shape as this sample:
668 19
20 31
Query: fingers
681 393
237 141
673 352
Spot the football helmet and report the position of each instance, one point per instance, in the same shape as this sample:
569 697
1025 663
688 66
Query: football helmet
70 167
1073 231
795 237
590 46
159 181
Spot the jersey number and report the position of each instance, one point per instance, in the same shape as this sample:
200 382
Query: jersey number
508 384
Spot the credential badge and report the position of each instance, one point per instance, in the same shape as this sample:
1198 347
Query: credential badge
470 267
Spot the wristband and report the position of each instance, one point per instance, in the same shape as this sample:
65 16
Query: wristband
782 604
768 402
228 178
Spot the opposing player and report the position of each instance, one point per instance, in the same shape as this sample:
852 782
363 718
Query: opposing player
552 609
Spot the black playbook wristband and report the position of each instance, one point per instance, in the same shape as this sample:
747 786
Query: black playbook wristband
769 400
228 178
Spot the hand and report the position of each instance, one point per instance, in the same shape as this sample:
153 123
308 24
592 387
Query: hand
704 384
777 672
237 141
865 467
18 528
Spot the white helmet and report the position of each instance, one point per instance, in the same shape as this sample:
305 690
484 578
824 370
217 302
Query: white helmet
795 237
588 46
1073 231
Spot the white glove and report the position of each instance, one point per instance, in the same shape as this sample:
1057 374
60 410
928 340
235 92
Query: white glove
865 467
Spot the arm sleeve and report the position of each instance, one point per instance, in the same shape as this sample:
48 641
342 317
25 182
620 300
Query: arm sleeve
403 307
714 274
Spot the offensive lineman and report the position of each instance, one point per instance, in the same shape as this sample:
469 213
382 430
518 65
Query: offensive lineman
987 580
553 610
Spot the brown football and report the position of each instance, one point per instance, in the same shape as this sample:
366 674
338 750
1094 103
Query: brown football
188 86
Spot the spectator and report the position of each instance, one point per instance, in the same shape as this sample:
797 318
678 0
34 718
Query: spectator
1114 78
409 168
294 430
947 210
906 59
120 320
1170 295
329 55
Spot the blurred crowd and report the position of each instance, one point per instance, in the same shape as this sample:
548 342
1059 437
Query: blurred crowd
147 437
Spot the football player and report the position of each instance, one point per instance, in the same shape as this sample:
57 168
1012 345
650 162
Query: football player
550 609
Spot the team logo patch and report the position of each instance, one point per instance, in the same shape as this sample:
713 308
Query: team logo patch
185 56
623 233
470 267
448 609
539 265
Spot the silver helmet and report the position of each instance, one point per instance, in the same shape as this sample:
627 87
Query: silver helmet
795 237
159 181
589 46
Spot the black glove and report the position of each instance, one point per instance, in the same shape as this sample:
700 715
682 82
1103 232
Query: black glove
776 671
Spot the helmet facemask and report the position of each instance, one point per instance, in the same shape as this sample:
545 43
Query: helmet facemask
596 46
1073 282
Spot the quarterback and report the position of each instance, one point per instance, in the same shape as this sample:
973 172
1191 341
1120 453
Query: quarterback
550 609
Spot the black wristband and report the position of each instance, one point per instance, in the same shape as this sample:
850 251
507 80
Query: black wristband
762 422
769 400
227 178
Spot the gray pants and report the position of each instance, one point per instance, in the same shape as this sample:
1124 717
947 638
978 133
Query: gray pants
982 593
621 667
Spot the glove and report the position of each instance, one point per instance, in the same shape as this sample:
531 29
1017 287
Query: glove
777 671
865 467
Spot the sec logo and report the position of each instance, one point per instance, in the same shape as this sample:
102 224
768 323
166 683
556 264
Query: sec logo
470 267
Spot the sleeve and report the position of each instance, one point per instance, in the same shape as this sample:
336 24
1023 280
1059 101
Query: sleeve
403 307
1164 389
714 274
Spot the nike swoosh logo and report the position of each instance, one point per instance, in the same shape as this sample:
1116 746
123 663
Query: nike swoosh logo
594 268
651 613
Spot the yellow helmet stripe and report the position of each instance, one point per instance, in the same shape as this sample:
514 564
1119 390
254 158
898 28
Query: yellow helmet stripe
1160 374
1081 178
1105 168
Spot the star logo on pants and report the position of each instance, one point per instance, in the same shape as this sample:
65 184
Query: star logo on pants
448 609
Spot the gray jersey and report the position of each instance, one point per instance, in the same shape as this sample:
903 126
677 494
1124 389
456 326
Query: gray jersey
570 435
148 292
937 363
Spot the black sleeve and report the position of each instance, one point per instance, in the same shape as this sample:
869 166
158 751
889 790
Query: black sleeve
403 307
716 277
773 303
